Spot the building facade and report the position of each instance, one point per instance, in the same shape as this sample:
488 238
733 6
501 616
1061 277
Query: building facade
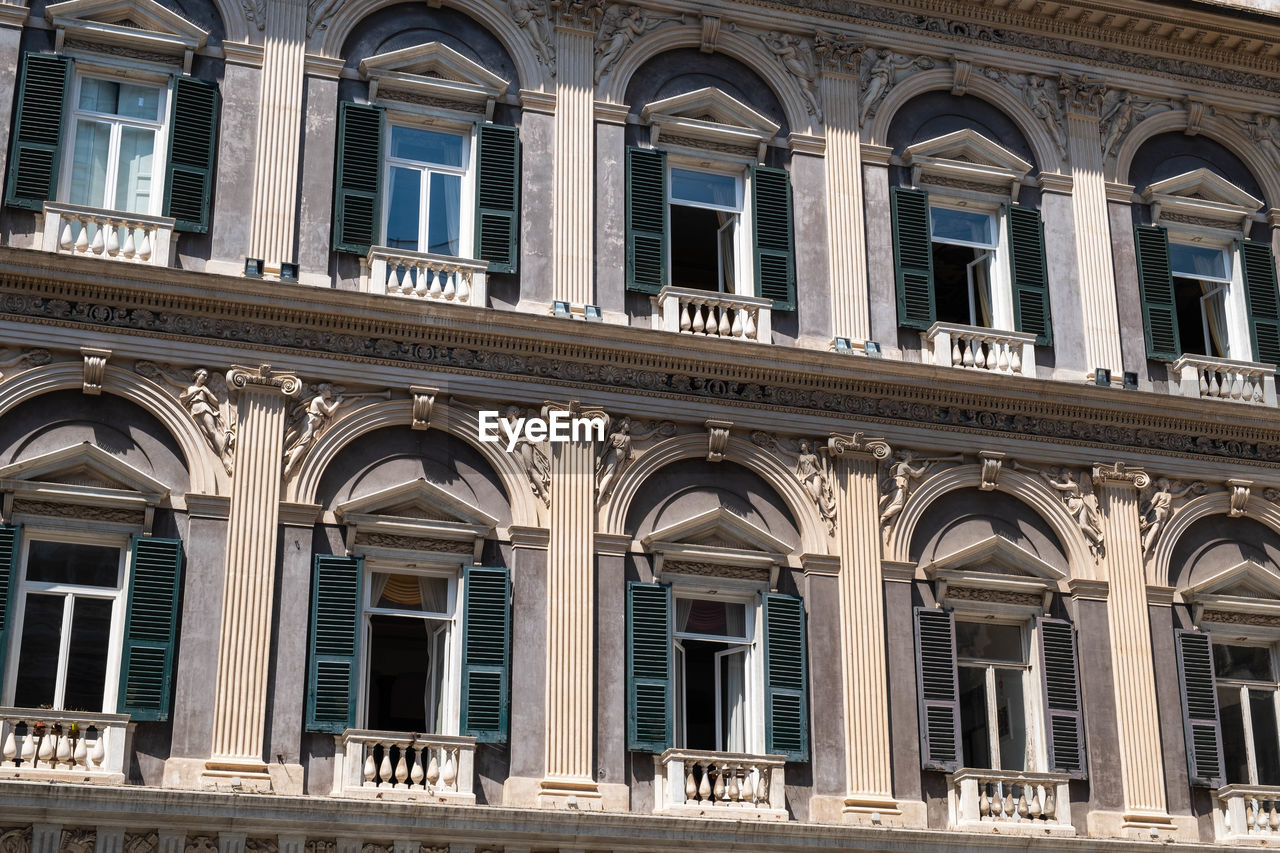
531 425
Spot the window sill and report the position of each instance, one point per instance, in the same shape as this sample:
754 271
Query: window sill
978 348
714 315
1011 802
56 753
1212 378
696 783
1248 813
386 766
418 275
67 227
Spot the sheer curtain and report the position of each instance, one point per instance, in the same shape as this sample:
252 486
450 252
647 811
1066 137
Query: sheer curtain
434 594
1215 318
445 215
732 673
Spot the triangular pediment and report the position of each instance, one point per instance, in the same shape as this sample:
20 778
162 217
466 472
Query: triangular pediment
718 528
1246 580
970 147
144 23
711 106
995 555
432 73
1205 185
83 467
419 500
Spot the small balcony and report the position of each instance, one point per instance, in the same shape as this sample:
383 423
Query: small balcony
64 746
693 783
1223 379
417 275
977 348
1011 802
713 315
1248 813
88 231
401 766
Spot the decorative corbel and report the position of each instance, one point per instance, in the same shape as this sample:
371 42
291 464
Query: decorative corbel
717 439
992 462
960 77
95 368
1238 491
1195 113
710 33
423 399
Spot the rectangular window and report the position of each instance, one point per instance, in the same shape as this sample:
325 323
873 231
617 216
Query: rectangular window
426 179
1202 289
706 211
116 135
964 247
1246 687
713 644
993 669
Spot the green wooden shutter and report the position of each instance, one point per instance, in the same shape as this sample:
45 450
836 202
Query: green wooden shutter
650 668
1155 278
775 245
9 539
486 653
498 197
36 146
938 685
335 643
646 220
786 682
357 188
1200 710
912 257
1030 273
146 666
1260 297
1061 679
193 134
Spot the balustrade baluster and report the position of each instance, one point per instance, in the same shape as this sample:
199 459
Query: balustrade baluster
464 287
384 769
415 774
82 239
46 747
699 324
29 746
1007 809
749 328
685 323
719 788
449 774
704 787
957 357
690 786
1050 804
735 792
1003 362
724 322
1023 809
1033 806
144 250
62 758
10 749
402 770
736 328
435 290
130 245
450 289
66 239
984 800
113 237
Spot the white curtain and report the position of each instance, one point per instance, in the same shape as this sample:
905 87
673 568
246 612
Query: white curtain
89 166
377 584
684 606
726 243
446 214
434 593
732 675
1215 316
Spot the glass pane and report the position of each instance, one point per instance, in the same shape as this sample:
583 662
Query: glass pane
87 655
974 737
399 662
1199 262
133 181
1234 751
1266 742
439 655
411 592
444 214
985 641
124 99
73 563
38 654
1248 663
1011 719
733 699
427 146
705 188
89 163
402 212
965 226
719 618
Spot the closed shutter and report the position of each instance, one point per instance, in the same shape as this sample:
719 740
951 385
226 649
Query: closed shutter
938 684
1200 710
9 539
650 668
646 220
486 652
912 257
358 185
193 135
335 642
1030 273
786 706
1155 278
498 197
36 146
1061 671
1260 295
146 667
775 246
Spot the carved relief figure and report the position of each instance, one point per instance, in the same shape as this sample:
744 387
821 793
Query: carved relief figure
206 411
898 485
1081 503
26 360
617 455
811 471
534 461
531 15
616 36
881 76
796 57
1160 507
310 416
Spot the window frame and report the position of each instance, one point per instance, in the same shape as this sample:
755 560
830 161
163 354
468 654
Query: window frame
1244 686
1002 310
1239 336
739 169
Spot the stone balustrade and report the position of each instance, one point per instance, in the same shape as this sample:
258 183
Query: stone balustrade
418 275
397 765
1248 811
713 315
71 746
720 784
1011 801
951 344
1223 379
129 237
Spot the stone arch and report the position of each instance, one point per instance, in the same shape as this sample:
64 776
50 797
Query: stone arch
235 26
813 532
207 476
1160 563
1036 495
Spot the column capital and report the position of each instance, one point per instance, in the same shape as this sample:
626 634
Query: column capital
1082 95
837 53
1120 473
263 376
857 445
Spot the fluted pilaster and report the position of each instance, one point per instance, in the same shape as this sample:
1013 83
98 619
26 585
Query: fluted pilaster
850 308
574 212
1093 244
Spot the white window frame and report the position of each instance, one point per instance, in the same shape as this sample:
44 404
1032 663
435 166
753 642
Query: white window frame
1245 686
1239 341
1032 688
744 283
398 115
1001 276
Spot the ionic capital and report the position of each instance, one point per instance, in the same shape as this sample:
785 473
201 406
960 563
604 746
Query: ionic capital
239 377
1120 473
857 445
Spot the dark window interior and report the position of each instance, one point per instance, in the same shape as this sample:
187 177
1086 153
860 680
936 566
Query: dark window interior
399 659
1186 294
700 693
951 281
694 247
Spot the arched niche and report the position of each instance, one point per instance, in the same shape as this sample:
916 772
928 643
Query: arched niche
1215 544
1174 153
934 114
964 518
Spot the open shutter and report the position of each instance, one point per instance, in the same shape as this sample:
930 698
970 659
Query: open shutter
193 134
358 184
650 668
36 145
1159 312
1200 710
486 652
646 220
498 197
1260 298
1030 273
335 642
775 246
786 682
1061 671
9 538
938 685
146 667
912 257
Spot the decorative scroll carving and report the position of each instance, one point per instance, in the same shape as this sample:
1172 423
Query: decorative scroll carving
998 596
881 71
1159 508
839 445
95 368
26 360
1081 94
1121 111
710 33
311 415
1238 490
717 439
898 484
141 842
584 14
992 462
1121 473
423 399
16 839
243 377
837 52
80 511
78 840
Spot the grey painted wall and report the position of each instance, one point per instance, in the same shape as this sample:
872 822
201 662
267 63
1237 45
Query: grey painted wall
813 271
528 661
1169 705
826 684
237 153
611 669
883 292
1098 695
611 216
1068 356
1133 342
965 517
195 682
315 185
289 627
904 727
537 138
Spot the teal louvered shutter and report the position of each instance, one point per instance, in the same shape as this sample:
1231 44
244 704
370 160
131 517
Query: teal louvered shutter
193 134
36 145
1155 279
357 187
146 666
938 685
1061 678
1260 296
1030 273
335 643
775 245
1200 710
912 257
786 678
486 654
650 667
9 543
498 197
646 220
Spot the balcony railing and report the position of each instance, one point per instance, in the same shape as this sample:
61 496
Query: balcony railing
71 746
1247 811
396 765
438 278
953 345
713 315
130 237
1011 802
720 784
1223 379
